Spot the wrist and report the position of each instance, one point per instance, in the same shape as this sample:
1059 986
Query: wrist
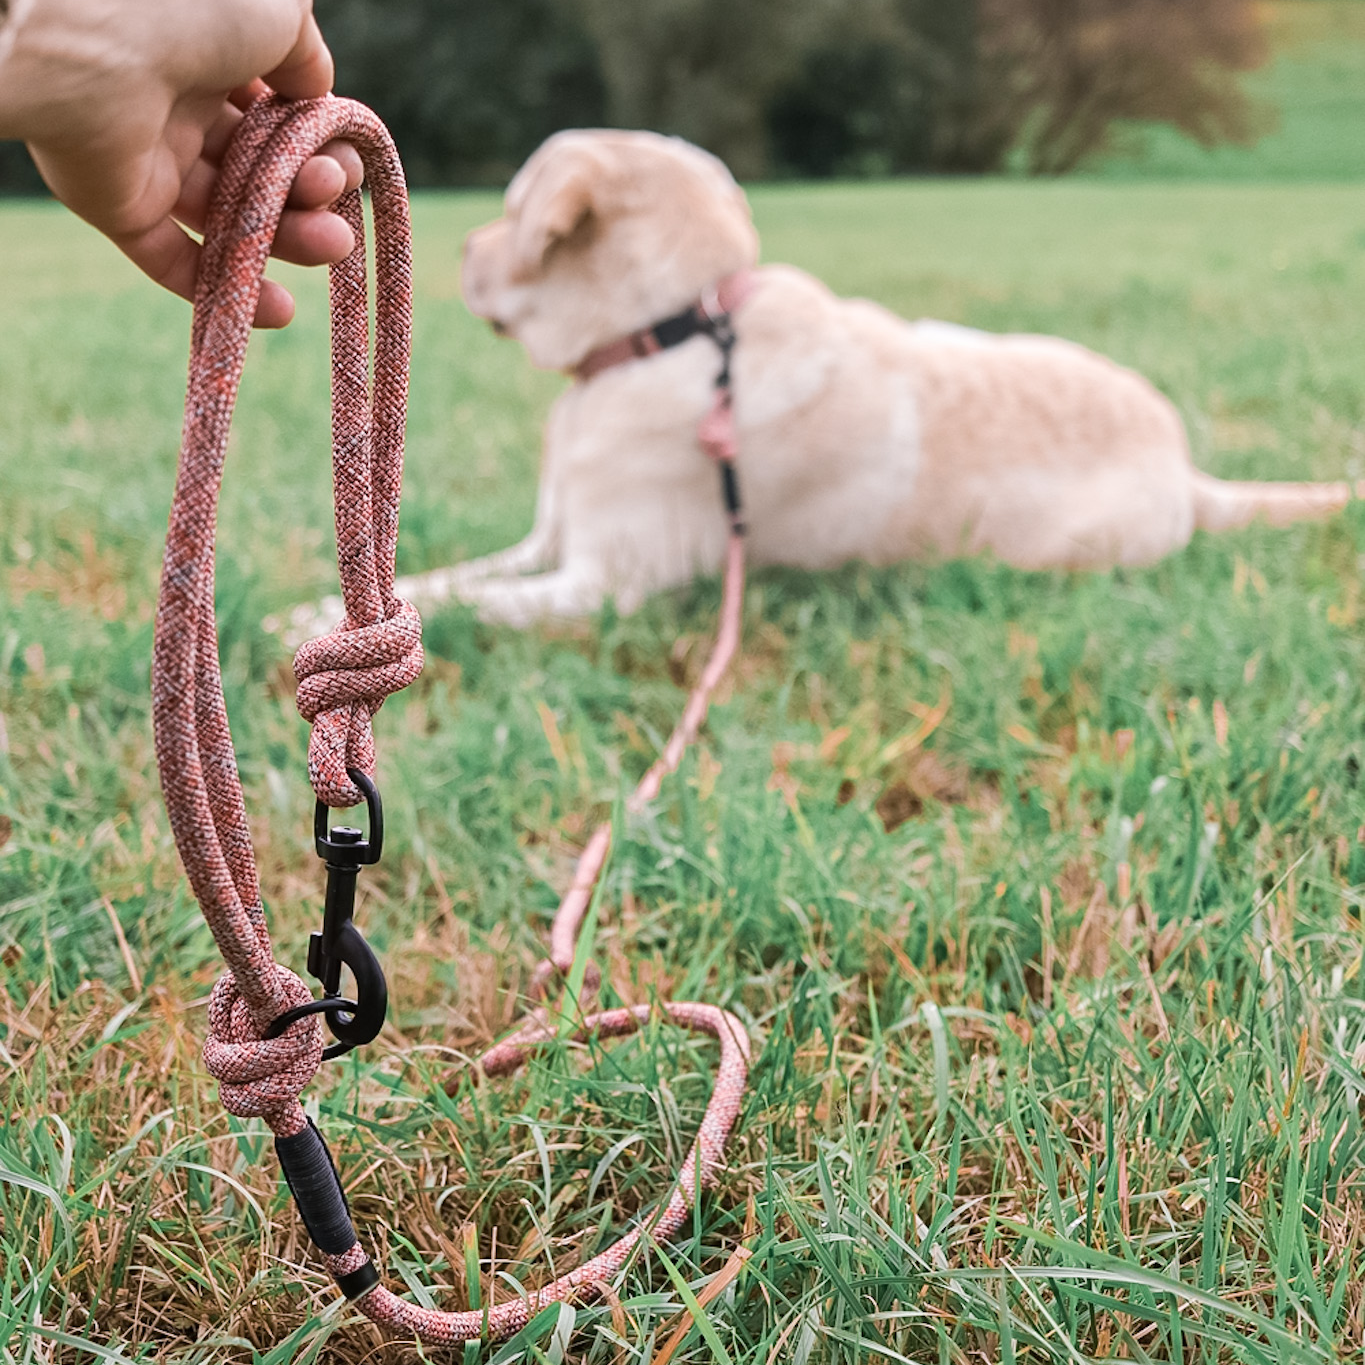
57 57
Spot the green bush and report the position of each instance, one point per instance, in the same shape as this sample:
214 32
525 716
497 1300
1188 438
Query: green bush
468 88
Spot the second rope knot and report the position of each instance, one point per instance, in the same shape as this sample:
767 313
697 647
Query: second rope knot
343 678
260 1076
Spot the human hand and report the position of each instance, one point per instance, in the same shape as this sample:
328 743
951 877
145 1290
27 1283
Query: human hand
128 105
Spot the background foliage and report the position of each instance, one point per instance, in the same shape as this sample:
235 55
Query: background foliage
797 86
788 87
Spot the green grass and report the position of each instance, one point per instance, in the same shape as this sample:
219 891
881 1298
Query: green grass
1058 1007
1310 101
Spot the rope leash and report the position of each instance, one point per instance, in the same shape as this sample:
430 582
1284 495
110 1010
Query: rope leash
265 1040
716 436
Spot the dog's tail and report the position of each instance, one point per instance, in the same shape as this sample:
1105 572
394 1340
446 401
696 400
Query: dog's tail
1222 506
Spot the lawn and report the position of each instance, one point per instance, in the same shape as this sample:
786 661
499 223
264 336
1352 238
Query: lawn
1037 892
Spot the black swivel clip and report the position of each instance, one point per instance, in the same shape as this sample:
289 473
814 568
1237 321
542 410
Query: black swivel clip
719 327
345 850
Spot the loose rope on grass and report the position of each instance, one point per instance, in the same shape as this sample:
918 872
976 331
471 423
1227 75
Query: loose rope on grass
343 679
568 918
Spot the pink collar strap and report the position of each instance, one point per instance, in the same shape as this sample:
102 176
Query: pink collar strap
710 311
710 316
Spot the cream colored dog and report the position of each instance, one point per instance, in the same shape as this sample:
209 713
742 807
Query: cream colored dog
860 436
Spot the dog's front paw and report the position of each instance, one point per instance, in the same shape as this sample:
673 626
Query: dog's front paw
306 621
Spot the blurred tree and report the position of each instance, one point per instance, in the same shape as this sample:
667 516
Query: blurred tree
965 85
469 88
1071 69
893 85
856 107
18 174
705 69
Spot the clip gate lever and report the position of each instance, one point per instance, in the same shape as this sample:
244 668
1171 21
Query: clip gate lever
345 850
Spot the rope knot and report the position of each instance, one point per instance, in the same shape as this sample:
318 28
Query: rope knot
343 678
256 1076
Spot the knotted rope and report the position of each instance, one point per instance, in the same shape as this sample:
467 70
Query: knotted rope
194 745
343 679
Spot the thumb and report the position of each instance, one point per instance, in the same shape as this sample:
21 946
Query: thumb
307 72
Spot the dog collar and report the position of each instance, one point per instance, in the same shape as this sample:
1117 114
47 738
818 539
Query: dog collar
708 316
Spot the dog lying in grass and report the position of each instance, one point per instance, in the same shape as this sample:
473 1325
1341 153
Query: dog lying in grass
859 435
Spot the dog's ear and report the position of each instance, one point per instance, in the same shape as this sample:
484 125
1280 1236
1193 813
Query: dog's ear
557 205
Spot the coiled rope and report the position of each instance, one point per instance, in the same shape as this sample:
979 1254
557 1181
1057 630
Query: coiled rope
343 679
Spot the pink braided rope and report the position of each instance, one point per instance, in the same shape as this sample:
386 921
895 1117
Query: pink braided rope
568 918
344 676
194 745
704 1160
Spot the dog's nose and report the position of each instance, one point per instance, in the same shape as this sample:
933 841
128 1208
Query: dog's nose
498 325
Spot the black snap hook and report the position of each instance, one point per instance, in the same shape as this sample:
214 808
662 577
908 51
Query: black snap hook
345 850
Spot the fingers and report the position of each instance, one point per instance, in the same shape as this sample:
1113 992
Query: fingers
307 72
348 159
306 234
316 186
166 254
169 256
312 237
246 95
319 183
275 307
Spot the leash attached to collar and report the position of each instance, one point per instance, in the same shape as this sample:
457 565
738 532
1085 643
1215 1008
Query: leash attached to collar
265 1041
710 316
